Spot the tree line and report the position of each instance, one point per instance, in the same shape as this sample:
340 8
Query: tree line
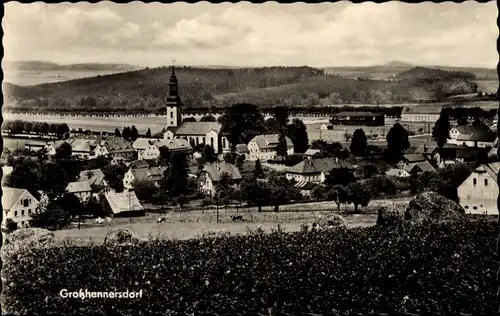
38 128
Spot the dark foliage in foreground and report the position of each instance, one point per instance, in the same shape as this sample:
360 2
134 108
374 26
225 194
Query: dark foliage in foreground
447 268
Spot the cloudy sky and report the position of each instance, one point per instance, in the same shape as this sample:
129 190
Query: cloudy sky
245 34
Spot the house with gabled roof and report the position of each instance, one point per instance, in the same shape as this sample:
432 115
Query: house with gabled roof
115 147
396 172
96 180
315 170
212 174
81 189
196 133
425 114
418 167
478 194
18 205
124 204
263 147
153 174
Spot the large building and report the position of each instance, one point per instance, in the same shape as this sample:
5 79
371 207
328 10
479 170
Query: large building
424 114
18 205
264 147
478 194
358 118
196 133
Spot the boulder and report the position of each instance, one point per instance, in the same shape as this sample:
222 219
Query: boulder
434 208
120 236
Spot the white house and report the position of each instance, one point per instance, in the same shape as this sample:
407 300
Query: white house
478 194
81 189
140 145
395 172
263 147
314 170
212 173
173 145
115 147
96 180
18 205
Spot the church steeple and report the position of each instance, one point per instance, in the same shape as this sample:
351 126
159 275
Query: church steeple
173 101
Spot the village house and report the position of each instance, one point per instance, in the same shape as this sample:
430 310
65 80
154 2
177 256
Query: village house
124 204
18 205
314 170
173 145
95 178
424 114
395 172
309 154
414 158
81 189
114 147
478 194
429 151
208 133
305 188
140 145
152 174
418 167
263 147
212 174
472 136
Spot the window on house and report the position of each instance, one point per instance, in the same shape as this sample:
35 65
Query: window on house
171 114
29 212
485 182
22 212
474 181
26 202
467 207
475 207
171 123
15 213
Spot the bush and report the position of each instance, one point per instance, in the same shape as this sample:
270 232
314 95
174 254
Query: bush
445 268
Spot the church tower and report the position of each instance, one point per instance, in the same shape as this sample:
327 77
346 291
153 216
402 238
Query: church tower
173 102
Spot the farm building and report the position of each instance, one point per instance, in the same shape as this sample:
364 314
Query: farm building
152 174
18 205
358 118
263 147
81 189
478 194
423 114
314 170
212 174
125 204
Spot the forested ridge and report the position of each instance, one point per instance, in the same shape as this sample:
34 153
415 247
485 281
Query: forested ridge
143 91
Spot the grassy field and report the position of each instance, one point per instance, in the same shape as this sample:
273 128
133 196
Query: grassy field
190 224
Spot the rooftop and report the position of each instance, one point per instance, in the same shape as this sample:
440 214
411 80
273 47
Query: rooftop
78 186
10 196
270 141
123 202
318 165
197 128
216 170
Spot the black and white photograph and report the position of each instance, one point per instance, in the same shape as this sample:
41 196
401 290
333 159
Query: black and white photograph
250 158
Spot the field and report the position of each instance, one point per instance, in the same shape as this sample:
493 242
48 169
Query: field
190 224
489 86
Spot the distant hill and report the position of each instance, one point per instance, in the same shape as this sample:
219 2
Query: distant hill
398 64
143 91
424 73
46 66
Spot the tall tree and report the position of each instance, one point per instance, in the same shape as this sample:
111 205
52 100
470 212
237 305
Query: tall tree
164 156
257 171
397 142
298 135
230 158
134 134
359 143
25 175
209 154
338 194
240 160
175 179
358 194
208 118
282 148
148 133
280 114
255 192
117 132
126 133
64 152
341 176
240 118
441 131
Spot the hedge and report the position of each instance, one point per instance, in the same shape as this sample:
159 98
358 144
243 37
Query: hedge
442 268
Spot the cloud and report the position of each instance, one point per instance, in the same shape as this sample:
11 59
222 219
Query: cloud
247 34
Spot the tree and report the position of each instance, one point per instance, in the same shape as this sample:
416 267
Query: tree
397 143
25 174
369 170
255 192
134 134
338 194
94 208
359 143
42 155
71 204
358 194
258 173
278 196
117 133
239 118
282 148
174 181
144 190
342 176
50 215
126 133
55 176
230 158
298 135
148 133
10 225
319 144
208 118
272 126
318 193
209 154
189 119
280 114
64 152
164 156
441 131
180 200
240 160
113 174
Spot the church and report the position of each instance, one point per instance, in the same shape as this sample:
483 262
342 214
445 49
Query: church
196 133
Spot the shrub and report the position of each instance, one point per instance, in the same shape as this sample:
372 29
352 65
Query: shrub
446 268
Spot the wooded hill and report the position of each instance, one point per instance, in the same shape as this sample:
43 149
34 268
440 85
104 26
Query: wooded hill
143 91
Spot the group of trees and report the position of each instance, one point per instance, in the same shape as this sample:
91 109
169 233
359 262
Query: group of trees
37 128
462 114
130 133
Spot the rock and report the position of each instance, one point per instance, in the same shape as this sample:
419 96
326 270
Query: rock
27 238
330 221
120 236
434 208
